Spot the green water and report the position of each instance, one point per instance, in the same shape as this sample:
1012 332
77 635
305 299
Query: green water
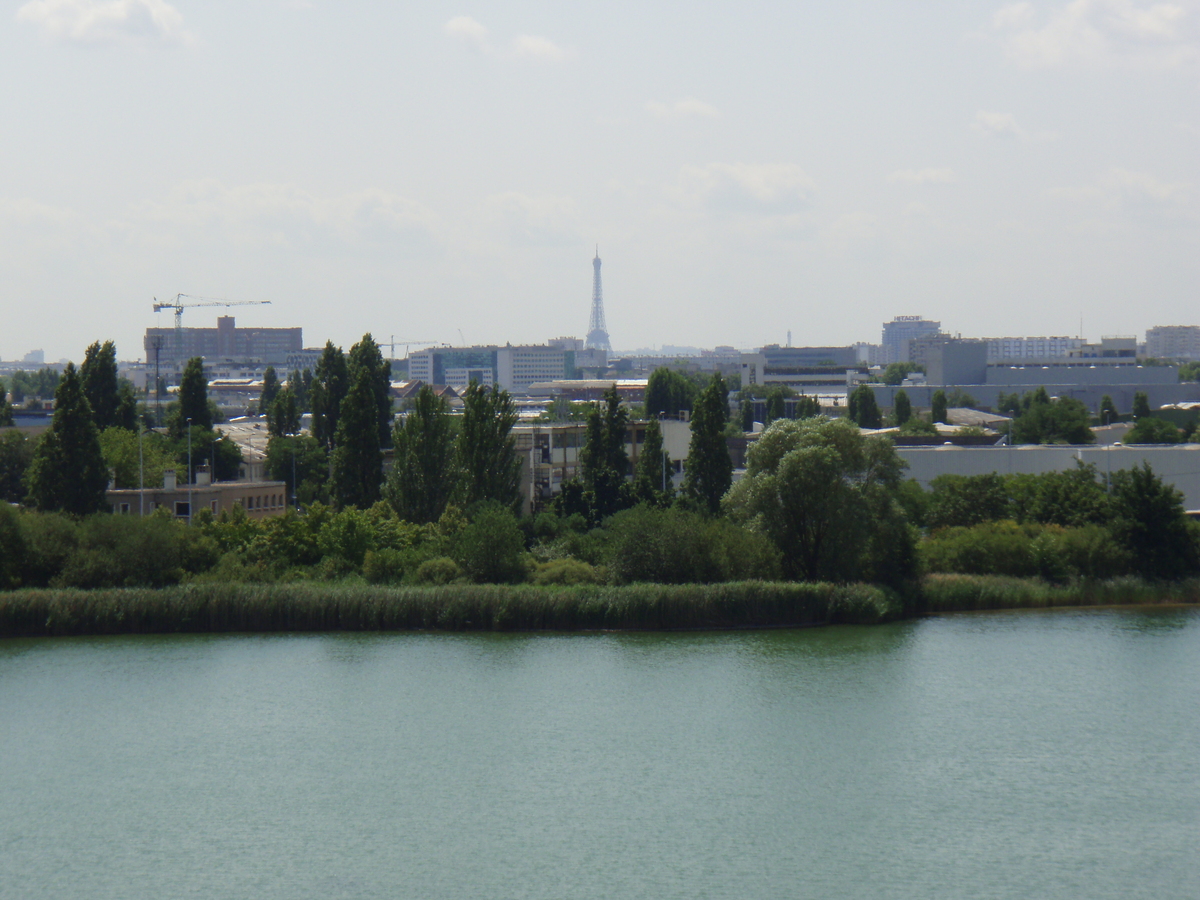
1023 756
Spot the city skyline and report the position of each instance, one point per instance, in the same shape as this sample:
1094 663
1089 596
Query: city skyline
424 172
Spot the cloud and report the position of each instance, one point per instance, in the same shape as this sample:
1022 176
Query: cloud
532 47
523 46
467 29
1138 195
145 22
284 216
924 176
1101 33
998 124
544 221
765 190
688 107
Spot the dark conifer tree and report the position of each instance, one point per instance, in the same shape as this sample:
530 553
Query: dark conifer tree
270 390
98 376
357 459
68 473
193 400
709 471
367 356
329 386
421 481
486 458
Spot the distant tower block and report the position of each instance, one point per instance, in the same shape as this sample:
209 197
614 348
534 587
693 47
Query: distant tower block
597 336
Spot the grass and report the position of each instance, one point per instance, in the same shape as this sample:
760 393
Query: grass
963 593
313 607
306 606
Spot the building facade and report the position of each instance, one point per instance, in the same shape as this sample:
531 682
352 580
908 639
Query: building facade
902 329
1173 342
513 368
269 345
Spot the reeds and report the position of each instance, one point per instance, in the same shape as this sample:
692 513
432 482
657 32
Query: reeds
962 593
321 607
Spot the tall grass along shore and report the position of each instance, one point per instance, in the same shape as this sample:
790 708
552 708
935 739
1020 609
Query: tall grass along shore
238 607
212 607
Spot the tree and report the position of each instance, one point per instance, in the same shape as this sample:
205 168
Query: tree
939 406
863 409
896 372
329 386
357 458
98 376
901 407
1141 405
1044 421
1071 499
284 417
67 473
16 453
6 416
669 392
132 465
603 463
652 479
807 407
301 462
709 469
776 395
301 383
367 357
421 481
270 389
1108 411
1151 430
965 500
489 549
486 460
193 400
746 414
827 495
1149 521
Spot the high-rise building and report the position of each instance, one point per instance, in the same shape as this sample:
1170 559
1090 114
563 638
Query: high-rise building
902 329
269 345
1173 342
597 336
514 368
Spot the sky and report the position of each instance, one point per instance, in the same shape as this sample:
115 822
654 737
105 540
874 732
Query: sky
444 172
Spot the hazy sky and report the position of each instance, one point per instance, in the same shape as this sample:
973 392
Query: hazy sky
425 169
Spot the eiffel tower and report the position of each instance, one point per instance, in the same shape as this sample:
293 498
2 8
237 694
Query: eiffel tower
597 336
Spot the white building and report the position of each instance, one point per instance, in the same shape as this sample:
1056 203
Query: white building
1008 348
902 329
1173 342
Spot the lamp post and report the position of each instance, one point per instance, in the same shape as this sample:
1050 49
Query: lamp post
189 428
295 493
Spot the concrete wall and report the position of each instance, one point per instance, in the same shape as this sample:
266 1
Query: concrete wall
1178 465
987 394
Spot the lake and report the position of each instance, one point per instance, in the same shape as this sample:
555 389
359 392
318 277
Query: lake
1030 755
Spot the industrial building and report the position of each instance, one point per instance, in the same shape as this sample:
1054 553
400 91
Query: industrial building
514 368
171 347
805 369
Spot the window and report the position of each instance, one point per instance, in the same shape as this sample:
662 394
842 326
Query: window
213 505
182 510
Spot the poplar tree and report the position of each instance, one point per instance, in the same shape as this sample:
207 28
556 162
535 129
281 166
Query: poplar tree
193 400
486 460
421 481
270 390
939 406
6 415
709 472
284 415
98 377
68 473
357 460
366 356
652 482
901 407
330 383
603 462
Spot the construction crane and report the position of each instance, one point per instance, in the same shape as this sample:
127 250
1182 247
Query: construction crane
179 306
406 345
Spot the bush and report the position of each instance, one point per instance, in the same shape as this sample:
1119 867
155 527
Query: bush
123 551
566 571
674 546
440 570
49 539
12 546
1025 551
491 547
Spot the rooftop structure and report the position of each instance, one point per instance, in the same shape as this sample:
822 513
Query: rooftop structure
1173 342
902 329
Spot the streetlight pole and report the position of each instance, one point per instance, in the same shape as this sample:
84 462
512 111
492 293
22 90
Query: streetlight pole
141 473
189 428
295 493
662 435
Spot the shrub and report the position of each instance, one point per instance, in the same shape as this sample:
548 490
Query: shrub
675 546
566 571
491 547
440 570
12 546
49 540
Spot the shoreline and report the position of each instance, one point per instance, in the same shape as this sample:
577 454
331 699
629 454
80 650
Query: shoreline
209 608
